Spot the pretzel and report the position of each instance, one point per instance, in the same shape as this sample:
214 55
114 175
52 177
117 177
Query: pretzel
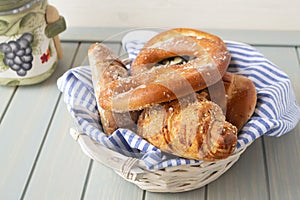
204 60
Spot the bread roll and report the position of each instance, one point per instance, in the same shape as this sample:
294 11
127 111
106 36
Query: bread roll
107 67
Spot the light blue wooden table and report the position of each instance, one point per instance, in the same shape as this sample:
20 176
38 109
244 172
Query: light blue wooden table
40 160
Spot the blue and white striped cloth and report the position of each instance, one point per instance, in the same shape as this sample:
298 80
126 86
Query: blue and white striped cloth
276 112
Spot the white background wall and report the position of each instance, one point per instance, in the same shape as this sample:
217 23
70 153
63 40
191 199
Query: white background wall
208 14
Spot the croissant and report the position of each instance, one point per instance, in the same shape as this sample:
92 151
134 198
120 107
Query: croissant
192 127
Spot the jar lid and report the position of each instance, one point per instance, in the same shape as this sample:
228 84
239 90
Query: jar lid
15 6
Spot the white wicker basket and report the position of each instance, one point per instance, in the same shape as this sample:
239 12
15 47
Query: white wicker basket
171 179
276 114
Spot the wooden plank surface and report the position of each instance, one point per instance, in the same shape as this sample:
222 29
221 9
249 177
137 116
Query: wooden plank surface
64 163
198 194
23 129
40 160
246 178
283 159
61 169
81 57
257 37
282 154
103 182
6 94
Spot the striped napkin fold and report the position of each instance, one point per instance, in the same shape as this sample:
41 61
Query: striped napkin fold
276 111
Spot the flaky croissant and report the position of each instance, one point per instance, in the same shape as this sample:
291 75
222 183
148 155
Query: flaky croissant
192 127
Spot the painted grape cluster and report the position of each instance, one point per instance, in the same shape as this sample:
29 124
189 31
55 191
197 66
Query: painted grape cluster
18 54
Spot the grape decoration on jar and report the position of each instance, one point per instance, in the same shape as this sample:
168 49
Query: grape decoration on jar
29 43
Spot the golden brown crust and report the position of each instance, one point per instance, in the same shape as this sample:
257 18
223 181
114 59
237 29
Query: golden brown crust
111 121
194 127
183 32
106 68
241 101
150 85
182 41
191 127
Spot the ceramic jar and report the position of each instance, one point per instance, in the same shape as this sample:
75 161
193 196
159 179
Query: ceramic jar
28 41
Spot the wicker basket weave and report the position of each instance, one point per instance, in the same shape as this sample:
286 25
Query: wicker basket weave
276 114
171 179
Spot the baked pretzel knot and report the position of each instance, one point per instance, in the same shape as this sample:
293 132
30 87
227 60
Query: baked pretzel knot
196 61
